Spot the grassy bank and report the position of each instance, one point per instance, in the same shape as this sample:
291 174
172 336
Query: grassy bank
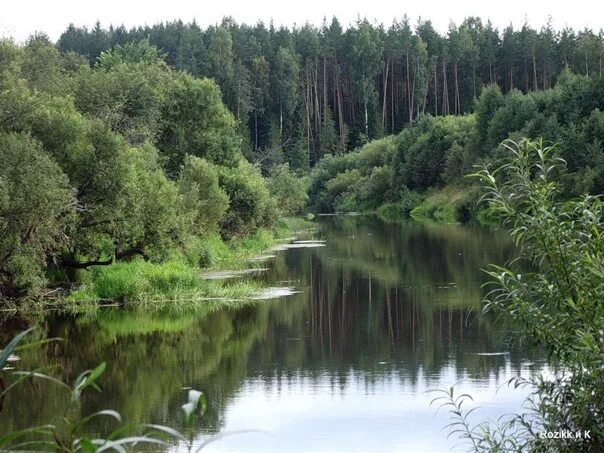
179 280
451 204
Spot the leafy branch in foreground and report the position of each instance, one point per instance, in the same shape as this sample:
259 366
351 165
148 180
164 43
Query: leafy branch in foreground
192 412
559 305
510 432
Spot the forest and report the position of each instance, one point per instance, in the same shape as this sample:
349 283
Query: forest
422 171
164 142
303 92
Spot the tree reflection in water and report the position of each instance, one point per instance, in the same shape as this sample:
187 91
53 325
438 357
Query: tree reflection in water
379 304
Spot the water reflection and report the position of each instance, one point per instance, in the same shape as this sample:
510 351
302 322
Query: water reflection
384 313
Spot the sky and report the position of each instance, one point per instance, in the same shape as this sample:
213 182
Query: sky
20 18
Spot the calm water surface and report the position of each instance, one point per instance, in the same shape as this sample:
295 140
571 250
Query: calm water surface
384 314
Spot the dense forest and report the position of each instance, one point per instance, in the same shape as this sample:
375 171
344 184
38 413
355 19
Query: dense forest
308 91
120 144
422 170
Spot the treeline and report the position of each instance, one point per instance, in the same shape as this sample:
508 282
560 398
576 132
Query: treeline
305 92
127 159
435 153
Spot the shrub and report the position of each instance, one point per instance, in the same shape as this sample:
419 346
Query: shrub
36 206
288 190
560 304
202 196
251 206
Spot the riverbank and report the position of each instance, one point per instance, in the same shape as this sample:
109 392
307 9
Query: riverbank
450 204
179 282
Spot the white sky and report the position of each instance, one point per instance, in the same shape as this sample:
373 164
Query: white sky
20 18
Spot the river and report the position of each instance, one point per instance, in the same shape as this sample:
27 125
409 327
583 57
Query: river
384 313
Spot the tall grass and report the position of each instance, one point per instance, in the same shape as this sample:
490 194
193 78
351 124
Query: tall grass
141 282
451 204
211 252
178 281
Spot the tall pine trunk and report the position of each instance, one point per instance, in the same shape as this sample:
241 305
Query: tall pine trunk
457 100
535 86
385 96
408 86
392 100
324 89
445 109
435 90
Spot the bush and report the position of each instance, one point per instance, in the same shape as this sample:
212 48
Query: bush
325 177
339 186
402 208
202 196
373 190
560 304
151 220
36 207
439 150
288 190
196 122
251 206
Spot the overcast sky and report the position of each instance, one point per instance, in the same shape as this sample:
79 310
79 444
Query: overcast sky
20 18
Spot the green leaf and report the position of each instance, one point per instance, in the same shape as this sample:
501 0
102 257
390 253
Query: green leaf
87 379
8 350
87 446
41 376
107 412
36 344
115 444
170 431
7 439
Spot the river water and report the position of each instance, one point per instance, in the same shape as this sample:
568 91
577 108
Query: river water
384 314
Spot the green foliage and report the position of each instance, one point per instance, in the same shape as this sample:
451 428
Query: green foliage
490 100
127 94
436 153
288 189
340 190
177 279
358 177
45 69
10 62
402 208
251 206
448 205
196 122
125 159
198 184
131 53
151 219
330 89
36 207
212 252
137 279
509 434
560 304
